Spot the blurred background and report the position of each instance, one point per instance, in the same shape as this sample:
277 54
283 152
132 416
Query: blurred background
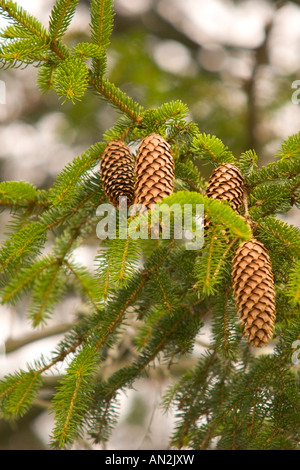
232 62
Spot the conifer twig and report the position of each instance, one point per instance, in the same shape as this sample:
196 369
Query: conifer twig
190 417
26 20
24 204
117 97
252 225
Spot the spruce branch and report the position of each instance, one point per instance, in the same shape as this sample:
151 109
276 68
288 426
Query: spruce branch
211 263
280 237
27 242
86 50
24 20
102 15
189 175
215 210
26 51
61 17
18 391
260 378
46 276
211 149
118 98
47 290
106 393
117 263
53 218
278 171
293 289
172 114
225 328
165 325
290 148
272 199
64 79
68 422
51 284
14 31
23 244
45 76
70 79
65 189
75 393
19 195
189 402
24 280
88 284
248 163
127 295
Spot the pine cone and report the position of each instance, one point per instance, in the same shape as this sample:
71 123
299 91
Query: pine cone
254 291
227 183
117 172
154 171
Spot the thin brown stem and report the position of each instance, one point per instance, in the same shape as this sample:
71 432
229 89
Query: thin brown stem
13 344
252 225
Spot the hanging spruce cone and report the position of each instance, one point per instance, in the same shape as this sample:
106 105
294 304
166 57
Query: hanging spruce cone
227 183
254 291
117 172
154 171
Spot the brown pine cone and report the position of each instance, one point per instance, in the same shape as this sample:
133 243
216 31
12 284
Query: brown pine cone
254 291
117 172
227 183
154 171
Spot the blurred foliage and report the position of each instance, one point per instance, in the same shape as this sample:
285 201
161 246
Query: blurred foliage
221 102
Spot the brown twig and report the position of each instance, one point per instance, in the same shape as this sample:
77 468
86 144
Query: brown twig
13 344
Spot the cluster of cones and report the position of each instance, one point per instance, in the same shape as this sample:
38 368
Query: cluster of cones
145 180
149 178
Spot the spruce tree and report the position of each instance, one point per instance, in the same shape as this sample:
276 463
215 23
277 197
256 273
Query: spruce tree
233 398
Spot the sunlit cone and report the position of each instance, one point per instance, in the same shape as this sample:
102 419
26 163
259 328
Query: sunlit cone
154 171
254 291
117 172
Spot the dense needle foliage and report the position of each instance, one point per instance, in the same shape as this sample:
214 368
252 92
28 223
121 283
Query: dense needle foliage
233 398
